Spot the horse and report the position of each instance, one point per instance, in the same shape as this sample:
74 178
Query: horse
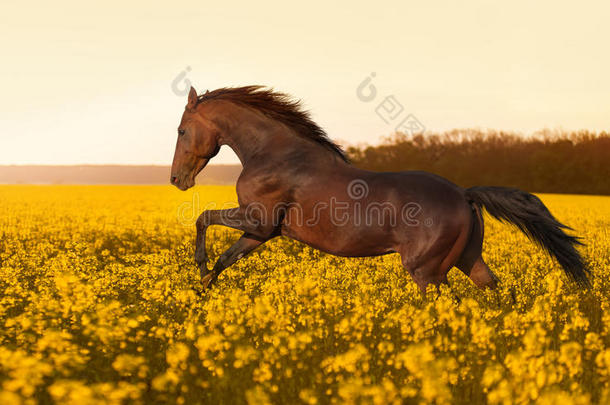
296 182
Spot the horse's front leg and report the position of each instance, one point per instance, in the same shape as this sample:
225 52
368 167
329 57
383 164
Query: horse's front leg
257 231
246 244
207 218
201 256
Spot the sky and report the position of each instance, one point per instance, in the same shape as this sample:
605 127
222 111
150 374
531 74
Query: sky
84 83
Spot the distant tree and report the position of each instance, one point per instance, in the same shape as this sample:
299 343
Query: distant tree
546 162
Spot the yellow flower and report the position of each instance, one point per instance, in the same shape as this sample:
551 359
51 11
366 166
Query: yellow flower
101 303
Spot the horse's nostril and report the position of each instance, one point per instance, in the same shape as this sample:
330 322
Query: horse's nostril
174 179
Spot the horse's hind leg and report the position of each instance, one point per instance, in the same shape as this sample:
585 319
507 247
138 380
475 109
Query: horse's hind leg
470 262
427 273
480 274
433 269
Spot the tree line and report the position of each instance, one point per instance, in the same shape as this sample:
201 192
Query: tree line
545 162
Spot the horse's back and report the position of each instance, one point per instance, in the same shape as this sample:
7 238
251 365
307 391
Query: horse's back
423 187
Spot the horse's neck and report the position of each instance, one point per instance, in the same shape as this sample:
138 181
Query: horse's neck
248 146
256 140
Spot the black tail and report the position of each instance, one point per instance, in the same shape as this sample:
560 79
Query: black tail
532 217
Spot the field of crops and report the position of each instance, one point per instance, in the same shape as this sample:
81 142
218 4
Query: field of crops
100 303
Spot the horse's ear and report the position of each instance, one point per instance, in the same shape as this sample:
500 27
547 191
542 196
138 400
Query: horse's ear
192 98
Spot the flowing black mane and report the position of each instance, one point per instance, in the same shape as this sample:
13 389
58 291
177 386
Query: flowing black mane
278 106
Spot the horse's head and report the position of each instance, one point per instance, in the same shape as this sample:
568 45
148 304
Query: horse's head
197 144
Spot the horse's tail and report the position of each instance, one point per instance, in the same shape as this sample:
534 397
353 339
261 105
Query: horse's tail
533 218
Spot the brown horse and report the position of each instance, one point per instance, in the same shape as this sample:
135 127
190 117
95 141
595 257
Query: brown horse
297 183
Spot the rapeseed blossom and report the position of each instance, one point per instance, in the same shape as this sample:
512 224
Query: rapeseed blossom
100 302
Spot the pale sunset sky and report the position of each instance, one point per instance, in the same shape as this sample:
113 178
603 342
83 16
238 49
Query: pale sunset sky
85 83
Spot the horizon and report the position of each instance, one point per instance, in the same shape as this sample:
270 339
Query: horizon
544 132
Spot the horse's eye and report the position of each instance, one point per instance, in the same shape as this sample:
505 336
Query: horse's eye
181 132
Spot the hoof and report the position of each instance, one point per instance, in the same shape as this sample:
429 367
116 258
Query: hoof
208 280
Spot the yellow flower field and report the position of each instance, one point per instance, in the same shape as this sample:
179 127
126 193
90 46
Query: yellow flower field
100 303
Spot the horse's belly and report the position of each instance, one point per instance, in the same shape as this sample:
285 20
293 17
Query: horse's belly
341 241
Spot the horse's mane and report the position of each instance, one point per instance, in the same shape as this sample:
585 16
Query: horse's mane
277 106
